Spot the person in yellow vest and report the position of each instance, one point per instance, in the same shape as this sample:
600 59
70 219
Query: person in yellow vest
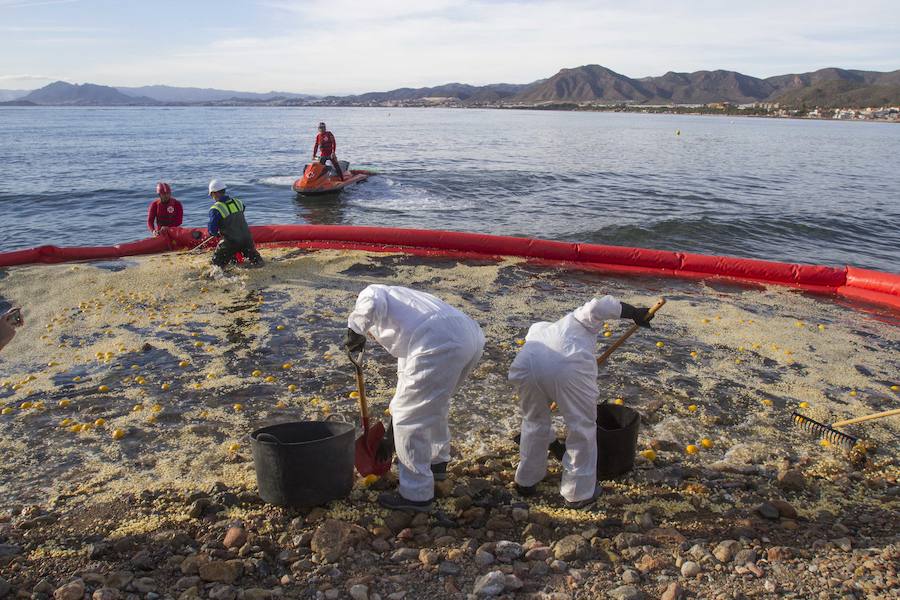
226 219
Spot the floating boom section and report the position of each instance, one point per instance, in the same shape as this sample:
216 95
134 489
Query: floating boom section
851 282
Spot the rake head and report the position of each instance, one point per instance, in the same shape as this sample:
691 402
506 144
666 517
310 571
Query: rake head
824 431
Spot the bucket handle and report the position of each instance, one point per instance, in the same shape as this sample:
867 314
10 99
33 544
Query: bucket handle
268 438
334 416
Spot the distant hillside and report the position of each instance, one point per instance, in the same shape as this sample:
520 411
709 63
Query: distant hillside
460 91
600 85
165 93
61 93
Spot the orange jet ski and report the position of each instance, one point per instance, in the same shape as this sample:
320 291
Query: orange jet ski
320 179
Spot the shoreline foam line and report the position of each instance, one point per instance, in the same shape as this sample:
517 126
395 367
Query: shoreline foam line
865 285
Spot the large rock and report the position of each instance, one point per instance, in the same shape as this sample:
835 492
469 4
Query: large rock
571 547
359 592
223 591
235 537
791 480
690 569
507 551
629 540
71 591
221 571
726 549
106 593
332 540
784 509
5 587
144 585
767 510
490 584
673 592
398 520
257 594
626 592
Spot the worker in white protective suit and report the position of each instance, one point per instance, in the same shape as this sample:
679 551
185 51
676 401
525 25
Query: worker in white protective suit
436 347
557 363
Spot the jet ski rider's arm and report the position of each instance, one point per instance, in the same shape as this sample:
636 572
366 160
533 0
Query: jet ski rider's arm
316 146
151 216
213 226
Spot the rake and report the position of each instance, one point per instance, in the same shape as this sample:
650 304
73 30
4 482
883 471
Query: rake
831 434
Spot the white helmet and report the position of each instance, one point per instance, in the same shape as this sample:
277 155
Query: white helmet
216 186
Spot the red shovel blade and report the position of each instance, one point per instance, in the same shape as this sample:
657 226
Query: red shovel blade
366 447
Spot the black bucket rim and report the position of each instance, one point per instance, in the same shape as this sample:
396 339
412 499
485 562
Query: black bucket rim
254 435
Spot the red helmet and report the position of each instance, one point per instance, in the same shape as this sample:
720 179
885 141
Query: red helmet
163 188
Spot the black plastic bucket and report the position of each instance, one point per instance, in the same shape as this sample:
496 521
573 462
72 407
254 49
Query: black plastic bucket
303 463
617 435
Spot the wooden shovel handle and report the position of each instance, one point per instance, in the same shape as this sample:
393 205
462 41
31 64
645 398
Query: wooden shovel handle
880 415
602 358
361 388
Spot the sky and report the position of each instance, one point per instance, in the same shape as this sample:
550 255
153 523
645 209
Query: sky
345 47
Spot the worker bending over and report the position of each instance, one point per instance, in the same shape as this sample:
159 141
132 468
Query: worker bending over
436 347
557 363
226 218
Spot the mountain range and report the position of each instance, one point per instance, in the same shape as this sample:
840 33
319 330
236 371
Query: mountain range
588 84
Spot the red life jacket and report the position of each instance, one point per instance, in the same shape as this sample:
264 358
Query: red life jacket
326 143
168 214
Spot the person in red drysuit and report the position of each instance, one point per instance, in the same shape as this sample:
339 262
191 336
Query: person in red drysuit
165 211
327 144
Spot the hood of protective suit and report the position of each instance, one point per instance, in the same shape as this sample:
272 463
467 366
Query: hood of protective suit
594 313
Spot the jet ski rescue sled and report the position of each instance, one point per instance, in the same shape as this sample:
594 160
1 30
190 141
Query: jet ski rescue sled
320 179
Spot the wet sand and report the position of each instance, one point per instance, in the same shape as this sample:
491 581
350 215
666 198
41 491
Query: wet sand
177 355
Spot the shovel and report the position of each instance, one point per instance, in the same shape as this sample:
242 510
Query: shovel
367 443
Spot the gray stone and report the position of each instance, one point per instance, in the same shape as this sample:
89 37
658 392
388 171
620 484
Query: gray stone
189 594
767 510
645 521
726 550
745 556
186 582
483 558
332 594
235 537
223 591
428 557
359 592
507 551
143 561
559 566
119 579
513 583
631 576
5 587
449 568
626 592
520 514
331 540
792 480
43 587
490 584
571 547
690 569
144 585
629 540
397 520
405 554
70 591
541 553
843 543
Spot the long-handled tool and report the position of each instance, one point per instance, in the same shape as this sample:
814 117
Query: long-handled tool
615 345
200 245
833 435
367 444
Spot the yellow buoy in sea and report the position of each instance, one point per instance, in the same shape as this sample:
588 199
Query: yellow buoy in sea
804 404
26 405
798 324
660 344
256 373
824 443
64 403
269 379
76 379
100 422
852 392
279 327
354 394
692 407
692 449
65 422
292 387
75 428
238 407
165 387
156 408
619 401
766 402
198 344
210 375
6 410
607 334
103 389
287 366
693 354
234 448
821 327
151 419
280 404
520 342
895 388
738 361
649 454
118 434
140 380
137 408
706 443
183 363
39 405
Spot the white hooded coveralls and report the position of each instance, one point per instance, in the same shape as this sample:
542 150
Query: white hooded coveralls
436 347
557 363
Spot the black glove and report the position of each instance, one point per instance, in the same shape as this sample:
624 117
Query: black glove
641 316
354 342
385 451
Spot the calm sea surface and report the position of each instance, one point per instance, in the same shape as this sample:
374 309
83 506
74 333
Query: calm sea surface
803 191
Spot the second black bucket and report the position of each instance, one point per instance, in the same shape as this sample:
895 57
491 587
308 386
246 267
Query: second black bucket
304 463
617 435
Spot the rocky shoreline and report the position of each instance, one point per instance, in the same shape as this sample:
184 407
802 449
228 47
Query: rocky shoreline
668 530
